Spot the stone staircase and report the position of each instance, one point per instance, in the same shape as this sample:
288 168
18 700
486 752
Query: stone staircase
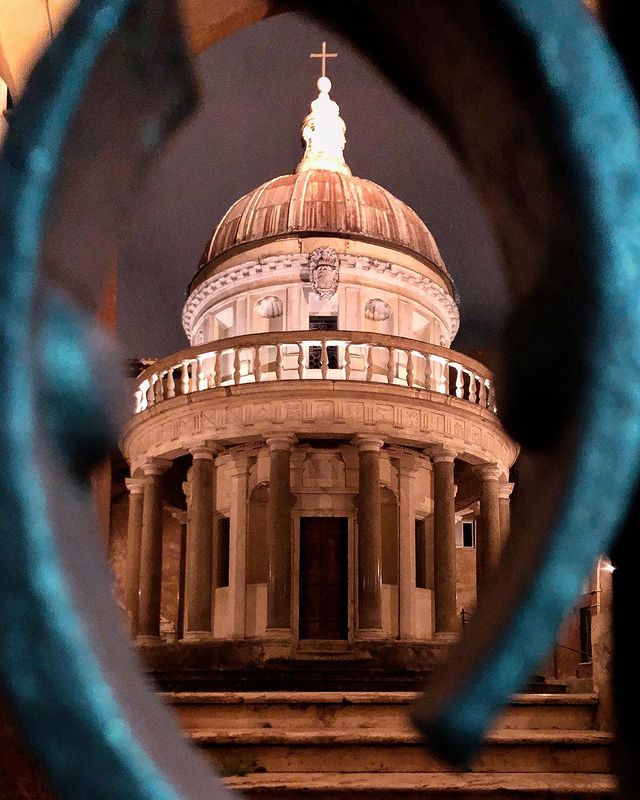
339 745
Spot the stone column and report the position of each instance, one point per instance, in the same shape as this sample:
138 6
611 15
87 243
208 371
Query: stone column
369 537
238 471
407 469
444 543
200 530
151 552
181 516
504 493
488 534
134 535
279 534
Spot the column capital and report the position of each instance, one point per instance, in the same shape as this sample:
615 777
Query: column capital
181 516
280 443
368 444
505 490
439 454
156 466
207 451
134 485
489 472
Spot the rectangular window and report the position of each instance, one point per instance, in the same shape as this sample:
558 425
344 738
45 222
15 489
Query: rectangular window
421 554
223 552
468 534
315 352
585 634
6 103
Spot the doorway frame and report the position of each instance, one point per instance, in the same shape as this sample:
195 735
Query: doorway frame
345 512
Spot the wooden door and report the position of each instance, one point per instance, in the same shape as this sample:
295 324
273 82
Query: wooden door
324 576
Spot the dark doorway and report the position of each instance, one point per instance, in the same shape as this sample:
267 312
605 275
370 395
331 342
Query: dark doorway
324 574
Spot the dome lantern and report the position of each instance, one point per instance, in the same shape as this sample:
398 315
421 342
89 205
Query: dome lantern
323 129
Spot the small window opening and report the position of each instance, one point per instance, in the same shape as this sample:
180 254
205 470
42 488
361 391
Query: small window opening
317 323
468 534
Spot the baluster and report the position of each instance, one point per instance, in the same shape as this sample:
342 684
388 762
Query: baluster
428 373
159 387
151 392
390 365
236 366
256 363
410 369
300 360
171 384
215 372
459 381
193 381
137 401
482 396
184 378
347 361
492 399
324 360
369 373
473 397
443 387
278 362
201 378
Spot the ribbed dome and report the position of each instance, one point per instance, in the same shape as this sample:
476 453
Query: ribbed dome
322 201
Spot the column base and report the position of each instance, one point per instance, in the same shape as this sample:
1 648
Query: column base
148 639
446 637
197 636
279 634
371 634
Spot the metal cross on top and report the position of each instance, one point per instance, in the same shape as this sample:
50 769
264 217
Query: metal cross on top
324 56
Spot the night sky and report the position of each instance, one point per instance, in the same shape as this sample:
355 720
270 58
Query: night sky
256 88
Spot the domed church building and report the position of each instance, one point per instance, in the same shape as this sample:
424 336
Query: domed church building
318 478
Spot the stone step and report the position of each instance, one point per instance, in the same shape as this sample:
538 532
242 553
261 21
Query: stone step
367 750
349 710
416 786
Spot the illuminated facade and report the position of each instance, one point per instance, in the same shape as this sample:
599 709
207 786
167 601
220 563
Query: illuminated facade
345 477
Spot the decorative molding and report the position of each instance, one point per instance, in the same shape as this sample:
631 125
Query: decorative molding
208 292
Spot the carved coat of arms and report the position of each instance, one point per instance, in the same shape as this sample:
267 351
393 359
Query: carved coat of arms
324 271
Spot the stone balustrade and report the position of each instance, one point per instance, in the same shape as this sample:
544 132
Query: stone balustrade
316 355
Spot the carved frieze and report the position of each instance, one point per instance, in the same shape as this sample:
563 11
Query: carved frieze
162 435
